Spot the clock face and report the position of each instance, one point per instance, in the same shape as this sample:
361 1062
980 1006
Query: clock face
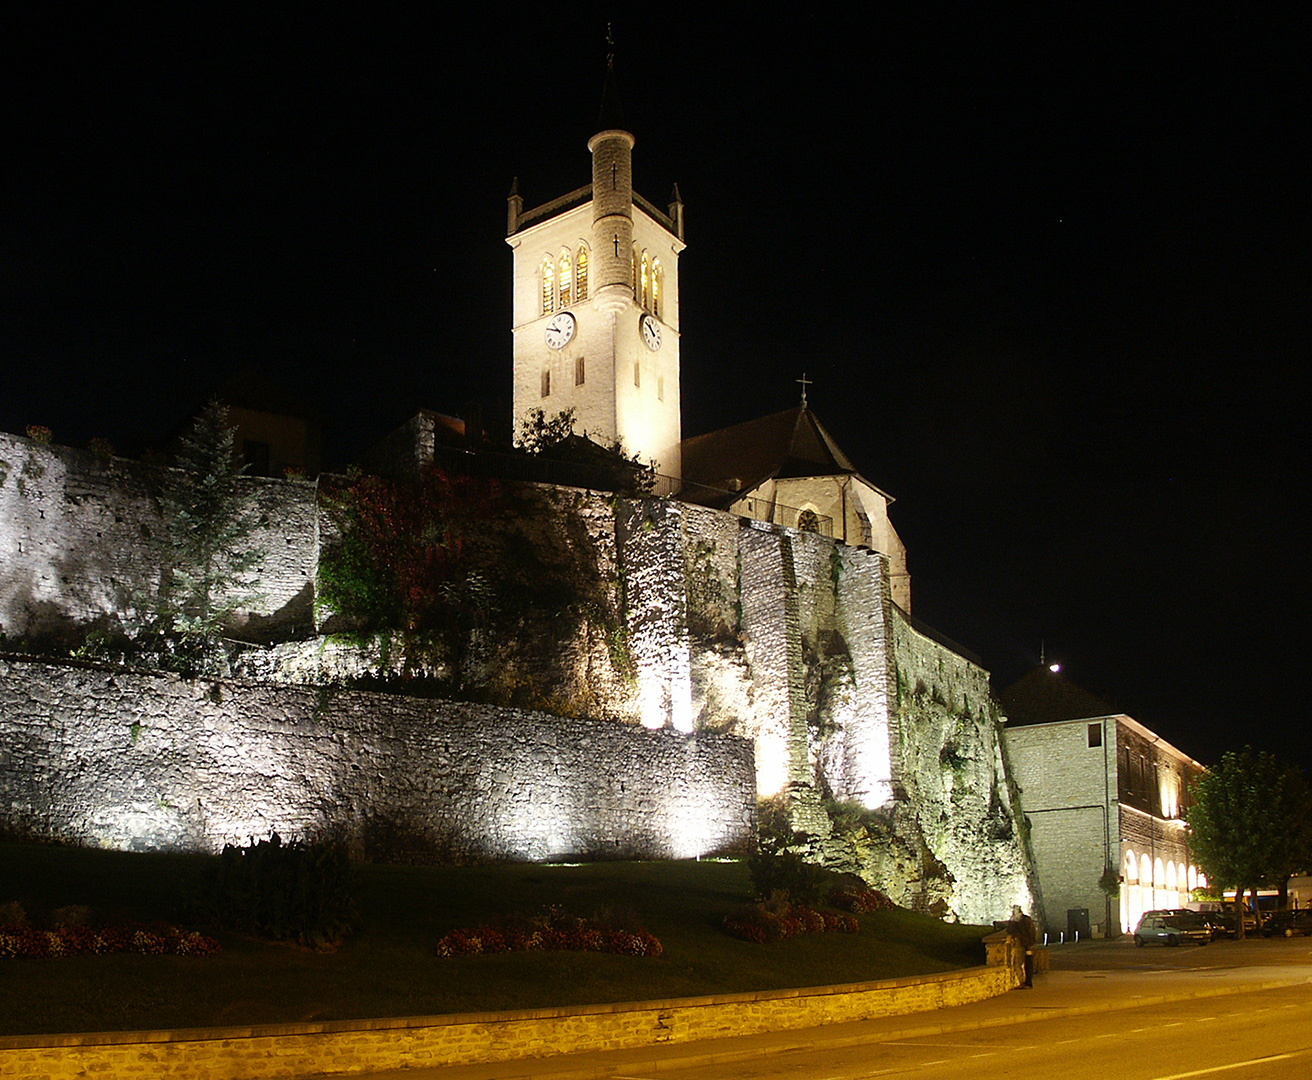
560 331
651 332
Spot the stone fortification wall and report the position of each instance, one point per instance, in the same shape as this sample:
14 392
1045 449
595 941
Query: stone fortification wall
956 777
134 760
619 610
77 536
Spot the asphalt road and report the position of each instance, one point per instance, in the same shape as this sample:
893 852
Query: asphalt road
1237 1010
1265 1034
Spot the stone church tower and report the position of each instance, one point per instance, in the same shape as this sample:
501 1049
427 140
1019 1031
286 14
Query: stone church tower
596 303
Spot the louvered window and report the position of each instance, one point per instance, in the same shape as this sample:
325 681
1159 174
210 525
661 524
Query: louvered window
581 274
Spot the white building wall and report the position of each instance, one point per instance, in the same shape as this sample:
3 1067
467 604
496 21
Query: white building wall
642 411
1065 789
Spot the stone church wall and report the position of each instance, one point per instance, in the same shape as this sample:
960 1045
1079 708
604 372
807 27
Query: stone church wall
134 760
77 532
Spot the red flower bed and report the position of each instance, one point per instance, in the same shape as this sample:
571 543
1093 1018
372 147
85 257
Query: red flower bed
552 932
156 939
849 898
762 923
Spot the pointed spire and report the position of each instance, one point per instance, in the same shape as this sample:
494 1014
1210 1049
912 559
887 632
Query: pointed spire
676 211
514 207
612 113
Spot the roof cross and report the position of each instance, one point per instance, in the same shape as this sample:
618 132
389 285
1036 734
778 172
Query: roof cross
805 383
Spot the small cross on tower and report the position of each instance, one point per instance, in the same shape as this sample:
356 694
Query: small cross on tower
805 383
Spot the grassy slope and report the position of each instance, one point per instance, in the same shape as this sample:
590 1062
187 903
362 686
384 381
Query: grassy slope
389 968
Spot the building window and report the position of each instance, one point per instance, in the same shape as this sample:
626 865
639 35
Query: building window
1095 735
808 521
548 287
644 268
566 277
578 372
581 274
660 387
657 286
546 382
637 374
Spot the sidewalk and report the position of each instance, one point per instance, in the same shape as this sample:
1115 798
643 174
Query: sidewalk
1055 994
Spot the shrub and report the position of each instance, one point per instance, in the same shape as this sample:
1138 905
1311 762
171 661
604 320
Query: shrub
297 891
786 872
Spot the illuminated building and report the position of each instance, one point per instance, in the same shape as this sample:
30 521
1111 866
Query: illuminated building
1101 792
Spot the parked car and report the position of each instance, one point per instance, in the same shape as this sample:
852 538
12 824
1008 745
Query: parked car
1288 923
1222 919
1220 925
1172 927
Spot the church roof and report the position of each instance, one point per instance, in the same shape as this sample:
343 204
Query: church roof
786 445
1044 695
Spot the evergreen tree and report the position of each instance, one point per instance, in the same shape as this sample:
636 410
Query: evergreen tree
205 548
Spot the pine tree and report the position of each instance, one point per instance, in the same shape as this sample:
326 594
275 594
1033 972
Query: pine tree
205 548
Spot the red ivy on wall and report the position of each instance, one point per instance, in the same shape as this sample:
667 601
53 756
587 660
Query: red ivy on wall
403 560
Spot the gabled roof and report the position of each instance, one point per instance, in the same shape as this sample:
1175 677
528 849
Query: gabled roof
1043 696
786 445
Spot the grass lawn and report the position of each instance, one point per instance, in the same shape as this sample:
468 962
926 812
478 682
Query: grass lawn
389 968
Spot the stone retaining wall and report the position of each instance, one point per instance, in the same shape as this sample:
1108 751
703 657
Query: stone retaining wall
347 1047
152 761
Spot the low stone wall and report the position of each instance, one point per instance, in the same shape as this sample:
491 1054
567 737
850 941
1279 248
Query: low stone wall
152 761
348 1047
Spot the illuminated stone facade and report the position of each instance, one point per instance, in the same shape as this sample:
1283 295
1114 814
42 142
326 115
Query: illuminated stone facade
605 345
1100 792
76 535
730 625
140 761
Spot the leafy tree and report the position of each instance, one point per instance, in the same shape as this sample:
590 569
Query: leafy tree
1248 818
207 557
539 433
605 466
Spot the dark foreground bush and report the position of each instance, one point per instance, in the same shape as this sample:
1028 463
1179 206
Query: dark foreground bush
297 891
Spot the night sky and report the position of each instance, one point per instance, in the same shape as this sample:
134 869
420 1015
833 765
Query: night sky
1050 278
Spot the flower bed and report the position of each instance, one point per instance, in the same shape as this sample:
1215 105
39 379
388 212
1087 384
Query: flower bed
775 921
156 939
552 931
859 900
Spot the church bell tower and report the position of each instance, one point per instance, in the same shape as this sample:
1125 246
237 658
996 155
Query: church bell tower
596 303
